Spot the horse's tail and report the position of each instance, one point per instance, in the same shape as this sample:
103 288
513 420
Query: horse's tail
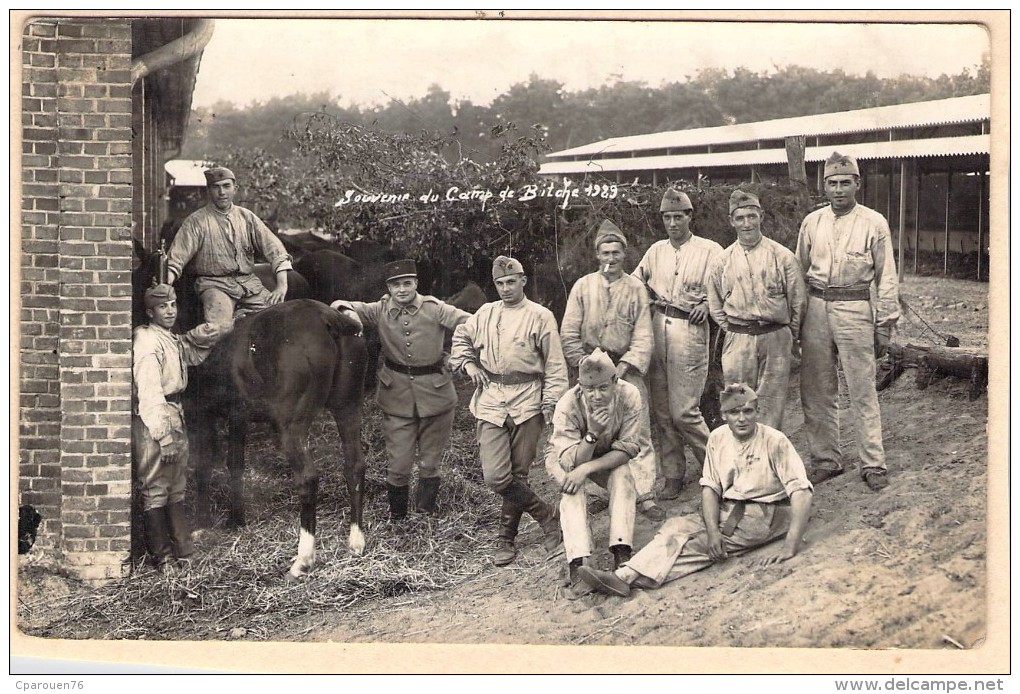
340 324
352 356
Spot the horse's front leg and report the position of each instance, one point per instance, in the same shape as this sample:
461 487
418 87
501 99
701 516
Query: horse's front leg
238 437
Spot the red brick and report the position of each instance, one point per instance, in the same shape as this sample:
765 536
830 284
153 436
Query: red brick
43 90
97 319
44 120
76 531
97 177
70 176
41 28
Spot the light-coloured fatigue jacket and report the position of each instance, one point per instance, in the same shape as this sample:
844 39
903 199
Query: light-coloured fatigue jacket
520 339
613 316
854 250
225 245
763 283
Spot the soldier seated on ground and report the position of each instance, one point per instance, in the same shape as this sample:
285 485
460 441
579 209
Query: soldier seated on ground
754 491
597 434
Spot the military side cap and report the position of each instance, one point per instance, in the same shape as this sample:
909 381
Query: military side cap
840 165
399 268
736 395
503 266
159 294
675 201
739 198
607 233
595 369
217 174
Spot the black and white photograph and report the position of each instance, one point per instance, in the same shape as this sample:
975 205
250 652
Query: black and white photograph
497 341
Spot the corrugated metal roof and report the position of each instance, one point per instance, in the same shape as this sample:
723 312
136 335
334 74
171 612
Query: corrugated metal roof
964 109
933 147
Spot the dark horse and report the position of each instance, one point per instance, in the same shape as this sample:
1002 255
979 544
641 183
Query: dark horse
286 363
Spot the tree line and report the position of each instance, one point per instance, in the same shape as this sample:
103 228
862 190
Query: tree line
567 119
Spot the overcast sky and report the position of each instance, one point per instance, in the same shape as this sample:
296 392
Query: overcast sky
368 62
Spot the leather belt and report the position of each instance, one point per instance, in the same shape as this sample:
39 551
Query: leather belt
758 327
841 293
730 524
436 368
514 378
175 398
672 311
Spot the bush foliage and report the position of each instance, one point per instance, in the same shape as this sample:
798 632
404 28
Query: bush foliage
355 183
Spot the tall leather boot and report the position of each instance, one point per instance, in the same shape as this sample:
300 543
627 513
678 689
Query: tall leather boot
428 490
509 521
546 515
157 537
398 501
180 531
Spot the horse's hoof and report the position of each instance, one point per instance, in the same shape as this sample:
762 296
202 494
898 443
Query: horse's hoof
291 579
356 540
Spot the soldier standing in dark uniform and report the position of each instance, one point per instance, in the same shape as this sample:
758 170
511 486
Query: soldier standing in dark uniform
416 391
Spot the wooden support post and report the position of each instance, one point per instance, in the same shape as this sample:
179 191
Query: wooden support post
945 246
795 159
903 213
981 220
917 210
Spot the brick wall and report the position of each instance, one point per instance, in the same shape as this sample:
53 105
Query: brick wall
75 404
39 420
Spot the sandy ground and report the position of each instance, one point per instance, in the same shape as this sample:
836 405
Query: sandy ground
904 568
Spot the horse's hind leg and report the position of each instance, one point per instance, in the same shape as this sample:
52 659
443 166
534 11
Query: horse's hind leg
348 424
202 441
237 429
294 440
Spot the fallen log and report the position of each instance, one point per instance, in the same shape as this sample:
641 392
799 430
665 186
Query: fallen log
933 362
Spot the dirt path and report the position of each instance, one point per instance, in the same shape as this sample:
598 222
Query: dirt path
900 569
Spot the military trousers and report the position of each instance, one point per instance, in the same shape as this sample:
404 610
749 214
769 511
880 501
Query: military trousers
507 452
574 508
404 435
680 547
763 363
161 483
676 381
844 331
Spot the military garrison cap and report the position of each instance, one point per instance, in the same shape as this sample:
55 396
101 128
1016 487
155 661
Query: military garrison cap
217 174
608 232
159 294
503 266
740 199
736 395
595 369
840 164
675 201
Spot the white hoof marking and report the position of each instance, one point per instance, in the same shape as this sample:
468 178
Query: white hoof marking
356 541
